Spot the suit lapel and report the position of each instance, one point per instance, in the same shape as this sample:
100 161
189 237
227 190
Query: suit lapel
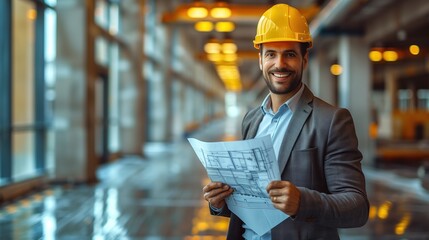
254 125
298 120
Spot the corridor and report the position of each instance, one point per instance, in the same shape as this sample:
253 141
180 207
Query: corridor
159 197
98 98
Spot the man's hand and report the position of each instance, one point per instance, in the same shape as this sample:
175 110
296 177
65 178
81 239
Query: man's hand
215 193
285 196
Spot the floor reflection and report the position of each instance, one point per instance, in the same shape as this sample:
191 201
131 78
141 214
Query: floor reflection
161 198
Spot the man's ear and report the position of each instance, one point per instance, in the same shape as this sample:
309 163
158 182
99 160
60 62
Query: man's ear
260 61
305 60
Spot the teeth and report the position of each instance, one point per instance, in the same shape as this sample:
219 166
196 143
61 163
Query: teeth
281 75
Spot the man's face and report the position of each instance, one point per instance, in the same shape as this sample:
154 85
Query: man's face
282 65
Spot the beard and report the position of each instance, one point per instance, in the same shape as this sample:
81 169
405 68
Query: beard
292 85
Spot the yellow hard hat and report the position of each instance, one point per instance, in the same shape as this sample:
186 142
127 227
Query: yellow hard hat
281 23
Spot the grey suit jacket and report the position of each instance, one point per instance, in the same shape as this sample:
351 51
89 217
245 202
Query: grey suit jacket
319 154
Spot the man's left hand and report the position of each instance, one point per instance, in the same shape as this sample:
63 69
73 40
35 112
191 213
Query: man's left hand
285 196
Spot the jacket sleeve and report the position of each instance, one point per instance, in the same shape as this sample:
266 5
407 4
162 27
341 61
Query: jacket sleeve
345 204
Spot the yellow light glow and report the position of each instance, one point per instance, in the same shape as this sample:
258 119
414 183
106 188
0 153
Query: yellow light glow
336 69
203 26
383 210
215 57
225 26
414 49
403 224
197 12
375 56
32 14
372 211
390 56
212 47
220 12
229 47
232 57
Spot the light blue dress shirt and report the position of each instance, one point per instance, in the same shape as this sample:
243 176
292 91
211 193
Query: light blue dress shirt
275 125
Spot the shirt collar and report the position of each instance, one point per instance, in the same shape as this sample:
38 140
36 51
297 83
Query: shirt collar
291 103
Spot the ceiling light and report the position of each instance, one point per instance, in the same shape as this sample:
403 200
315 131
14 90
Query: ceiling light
390 56
203 26
197 10
229 47
225 26
336 69
220 10
230 57
414 49
375 56
215 57
212 46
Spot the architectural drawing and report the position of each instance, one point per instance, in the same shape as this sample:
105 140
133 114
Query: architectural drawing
247 171
247 166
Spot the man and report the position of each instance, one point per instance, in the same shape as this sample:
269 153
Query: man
322 186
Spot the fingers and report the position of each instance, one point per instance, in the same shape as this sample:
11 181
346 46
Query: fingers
284 196
215 193
277 184
212 185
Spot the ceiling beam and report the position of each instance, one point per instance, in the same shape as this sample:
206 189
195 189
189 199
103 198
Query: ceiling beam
239 13
405 14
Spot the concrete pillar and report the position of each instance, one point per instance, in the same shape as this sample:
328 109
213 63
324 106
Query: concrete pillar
385 126
321 81
354 89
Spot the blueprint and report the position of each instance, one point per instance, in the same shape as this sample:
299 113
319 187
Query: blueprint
246 166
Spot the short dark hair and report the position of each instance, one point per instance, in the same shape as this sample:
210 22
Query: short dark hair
303 47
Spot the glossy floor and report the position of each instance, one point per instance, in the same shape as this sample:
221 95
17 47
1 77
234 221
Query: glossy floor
159 197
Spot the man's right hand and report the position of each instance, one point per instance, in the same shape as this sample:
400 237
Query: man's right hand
216 192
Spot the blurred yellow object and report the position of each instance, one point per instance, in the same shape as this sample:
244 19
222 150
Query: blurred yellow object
203 26
375 56
373 130
197 12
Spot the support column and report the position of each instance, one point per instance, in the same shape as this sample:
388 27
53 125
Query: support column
321 80
354 89
385 126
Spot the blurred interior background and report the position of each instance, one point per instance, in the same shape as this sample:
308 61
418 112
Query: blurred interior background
97 98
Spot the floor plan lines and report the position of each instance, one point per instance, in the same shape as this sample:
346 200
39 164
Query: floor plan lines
248 172
247 166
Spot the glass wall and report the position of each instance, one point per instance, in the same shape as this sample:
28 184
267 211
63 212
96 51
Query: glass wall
86 82
26 87
23 88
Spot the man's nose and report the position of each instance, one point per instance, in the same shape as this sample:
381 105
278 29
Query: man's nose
281 61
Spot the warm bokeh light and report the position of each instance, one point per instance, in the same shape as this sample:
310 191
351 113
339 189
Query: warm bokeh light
215 57
32 14
231 57
372 212
414 49
229 47
403 224
212 47
197 12
203 26
383 210
390 56
225 26
220 12
375 56
336 69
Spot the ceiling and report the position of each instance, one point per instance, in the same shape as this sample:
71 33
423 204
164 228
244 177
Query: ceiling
328 19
